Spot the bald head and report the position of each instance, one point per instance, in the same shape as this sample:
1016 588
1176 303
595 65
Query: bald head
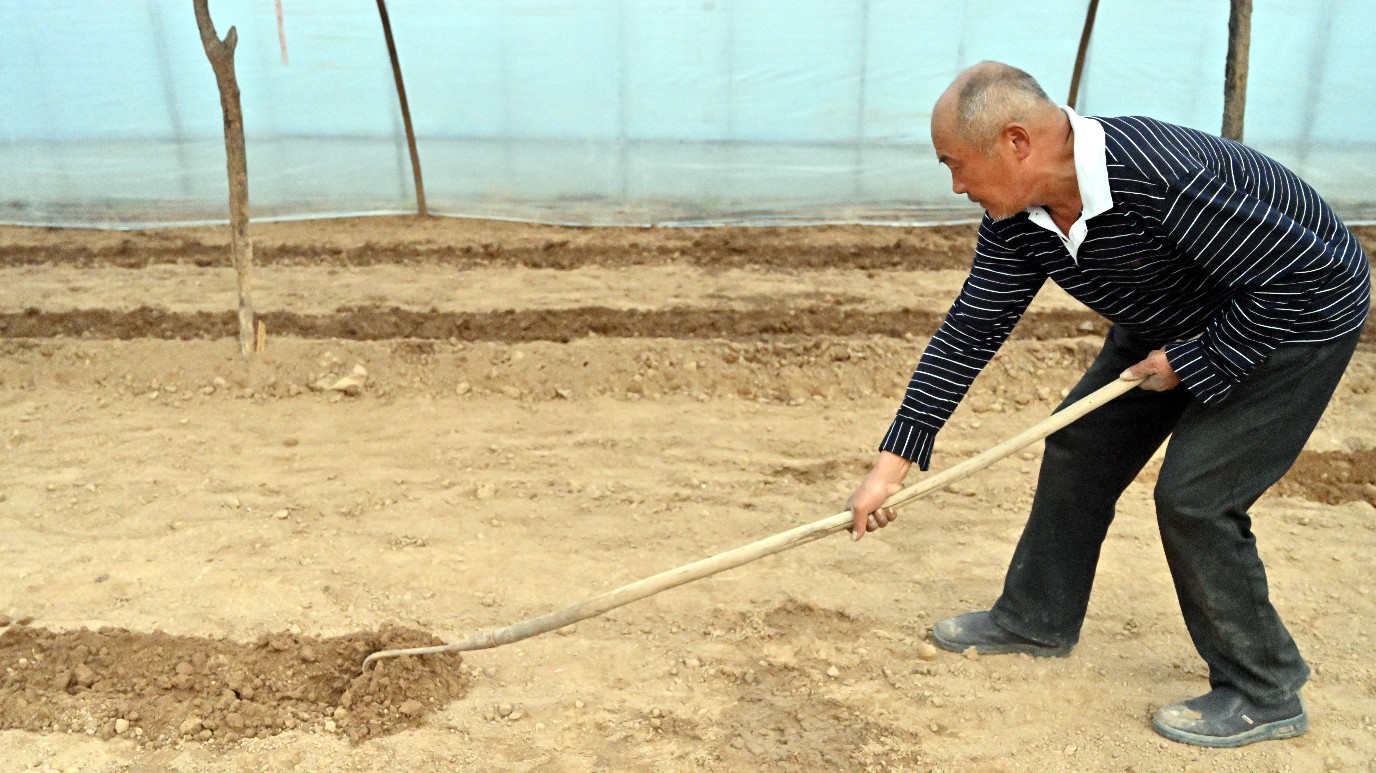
988 96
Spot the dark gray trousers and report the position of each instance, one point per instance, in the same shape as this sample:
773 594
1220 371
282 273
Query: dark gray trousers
1219 462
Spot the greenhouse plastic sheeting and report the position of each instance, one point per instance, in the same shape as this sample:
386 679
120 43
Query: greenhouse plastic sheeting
623 111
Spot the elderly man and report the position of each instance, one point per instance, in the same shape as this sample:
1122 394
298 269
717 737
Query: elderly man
1232 288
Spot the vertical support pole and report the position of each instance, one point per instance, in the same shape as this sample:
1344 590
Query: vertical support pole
1235 71
221 56
861 94
169 91
281 34
623 67
1080 55
405 107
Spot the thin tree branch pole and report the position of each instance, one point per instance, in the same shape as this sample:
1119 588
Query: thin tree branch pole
1080 55
405 107
221 55
1235 71
770 545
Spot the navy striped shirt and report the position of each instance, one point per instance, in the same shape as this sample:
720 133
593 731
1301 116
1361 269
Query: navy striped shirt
1211 250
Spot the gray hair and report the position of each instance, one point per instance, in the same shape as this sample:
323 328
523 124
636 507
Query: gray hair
993 95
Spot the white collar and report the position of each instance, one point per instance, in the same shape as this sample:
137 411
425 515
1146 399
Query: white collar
1091 174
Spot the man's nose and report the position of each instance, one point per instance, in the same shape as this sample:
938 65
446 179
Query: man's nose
957 186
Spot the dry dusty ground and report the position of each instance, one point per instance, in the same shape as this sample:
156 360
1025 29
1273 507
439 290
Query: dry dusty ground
197 551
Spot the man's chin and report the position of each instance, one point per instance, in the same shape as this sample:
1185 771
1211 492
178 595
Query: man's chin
995 215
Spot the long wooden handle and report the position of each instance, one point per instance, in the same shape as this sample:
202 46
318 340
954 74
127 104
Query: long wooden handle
768 546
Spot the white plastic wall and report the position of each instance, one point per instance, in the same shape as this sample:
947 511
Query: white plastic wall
623 111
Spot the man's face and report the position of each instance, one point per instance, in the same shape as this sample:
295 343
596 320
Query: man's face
987 179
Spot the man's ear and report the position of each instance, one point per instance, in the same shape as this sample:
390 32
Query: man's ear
1016 137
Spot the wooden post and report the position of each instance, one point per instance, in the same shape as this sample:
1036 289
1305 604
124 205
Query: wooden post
405 107
1235 71
1080 56
221 55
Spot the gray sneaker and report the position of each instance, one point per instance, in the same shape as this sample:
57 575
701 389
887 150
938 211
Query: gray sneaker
1225 718
978 630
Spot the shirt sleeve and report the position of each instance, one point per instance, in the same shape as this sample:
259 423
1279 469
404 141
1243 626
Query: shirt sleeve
1000 286
1271 263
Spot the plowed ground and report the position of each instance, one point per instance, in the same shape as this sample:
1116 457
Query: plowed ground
198 550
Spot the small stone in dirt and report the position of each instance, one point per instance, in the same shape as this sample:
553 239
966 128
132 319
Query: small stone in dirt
505 710
579 704
833 672
348 385
190 726
485 491
281 515
516 715
567 630
971 653
463 388
925 651
121 726
411 708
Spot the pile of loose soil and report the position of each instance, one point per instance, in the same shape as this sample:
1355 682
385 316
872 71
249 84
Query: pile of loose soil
161 690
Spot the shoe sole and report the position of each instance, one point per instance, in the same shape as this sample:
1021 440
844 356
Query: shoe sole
1271 731
1035 651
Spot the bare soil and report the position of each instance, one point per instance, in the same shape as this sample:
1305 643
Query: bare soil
199 550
